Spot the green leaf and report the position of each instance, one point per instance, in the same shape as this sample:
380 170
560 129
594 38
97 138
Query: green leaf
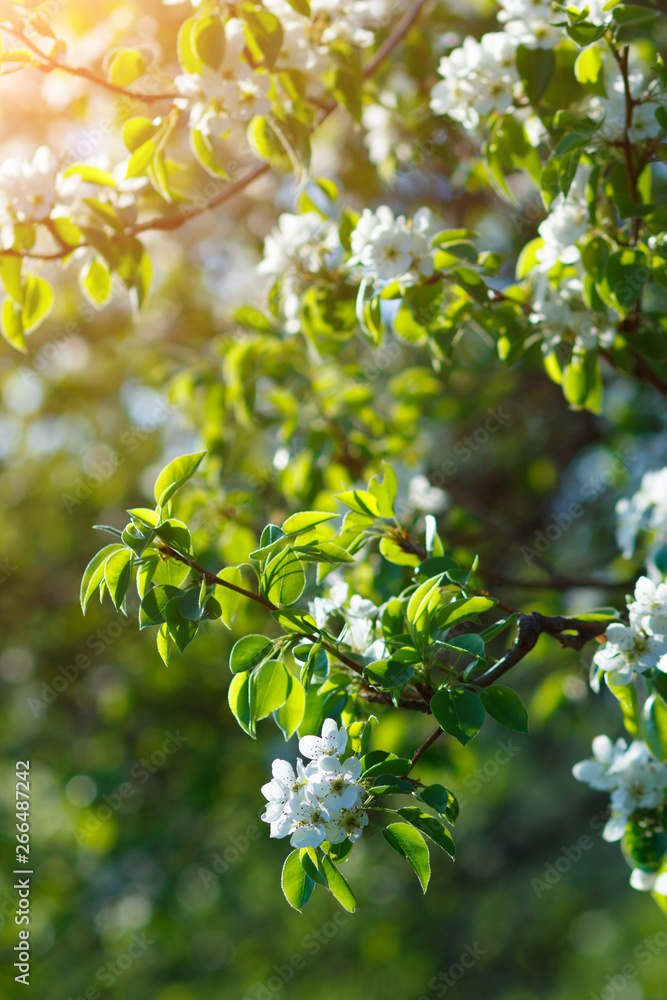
305 520
388 674
208 39
10 273
137 131
284 578
589 70
459 712
205 154
141 159
272 682
410 844
460 610
187 56
393 553
359 501
12 325
644 847
536 68
630 13
127 67
174 475
431 826
37 302
296 621
152 611
96 281
181 629
288 716
296 885
654 723
249 652
575 382
338 885
164 644
300 6
381 762
118 574
385 491
441 799
241 699
345 80
229 599
94 573
310 863
506 707
264 35
626 274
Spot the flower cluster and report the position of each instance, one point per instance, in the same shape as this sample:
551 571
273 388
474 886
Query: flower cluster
233 91
641 645
320 800
560 312
538 25
645 511
359 614
566 223
388 248
634 777
296 249
478 78
613 110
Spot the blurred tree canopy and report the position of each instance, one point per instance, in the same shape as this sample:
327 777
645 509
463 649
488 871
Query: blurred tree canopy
517 429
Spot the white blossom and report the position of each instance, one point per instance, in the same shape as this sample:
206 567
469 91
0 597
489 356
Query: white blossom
634 777
320 800
613 112
649 881
566 223
332 741
629 649
478 78
645 511
387 248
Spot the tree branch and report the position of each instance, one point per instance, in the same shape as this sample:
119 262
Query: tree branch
212 578
529 628
425 746
49 65
258 170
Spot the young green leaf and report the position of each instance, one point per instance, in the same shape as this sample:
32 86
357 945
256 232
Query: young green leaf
338 885
506 707
273 681
241 699
431 826
174 475
410 844
459 712
249 652
296 885
94 573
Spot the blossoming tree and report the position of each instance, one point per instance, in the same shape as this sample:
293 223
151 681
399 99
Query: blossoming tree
384 131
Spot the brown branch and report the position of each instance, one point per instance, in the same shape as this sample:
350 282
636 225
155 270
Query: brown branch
425 746
49 65
529 628
170 222
212 578
180 218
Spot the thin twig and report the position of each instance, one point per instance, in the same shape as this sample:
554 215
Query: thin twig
529 628
212 578
50 64
425 746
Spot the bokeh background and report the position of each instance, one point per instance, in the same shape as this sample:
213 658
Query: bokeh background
154 876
